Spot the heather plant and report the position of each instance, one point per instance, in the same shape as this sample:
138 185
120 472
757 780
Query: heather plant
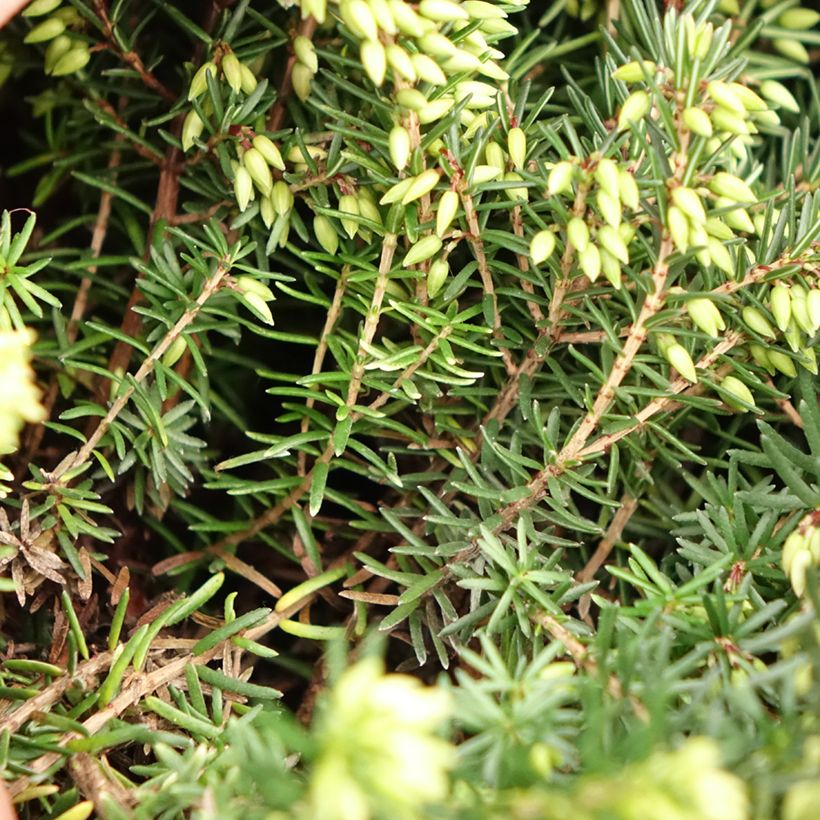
408 409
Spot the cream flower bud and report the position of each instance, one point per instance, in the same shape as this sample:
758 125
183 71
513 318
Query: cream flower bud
314 8
399 144
408 22
305 52
243 187
610 240
678 356
421 185
720 255
739 394
447 209
259 306
401 63
517 146
247 79
259 170
635 71
494 71
705 315
751 101
761 357
780 302
173 353
462 60
800 311
799 569
442 11
301 78
610 208
349 204
726 97
55 49
718 228
45 31
578 233
494 155
813 308
267 211
358 17
515 192
611 268
628 189
374 60
232 71
778 94
437 44
326 234
72 61
541 246
606 175
411 98
247 284
40 7
435 110
732 187
498 28
697 121
690 203
484 173
199 83
636 106
481 10
428 69
757 322
383 16
725 120
590 261
267 148
799 19
736 218
425 248
783 363
396 192
436 277
560 178
192 127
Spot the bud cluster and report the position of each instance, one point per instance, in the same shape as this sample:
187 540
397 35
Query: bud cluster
226 67
801 550
67 52
255 296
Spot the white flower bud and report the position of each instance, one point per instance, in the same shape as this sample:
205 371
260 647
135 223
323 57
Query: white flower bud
423 249
383 16
705 315
436 277
738 392
243 187
725 120
199 83
689 202
541 246
301 78
560 178
757 322
635 108
401 63
590 261
358 17
678 226
578 233
494 155
247 79
421 185
374 60
349 204
628 189
726 97
517 146
611 268
720 255
447 208
305 52
399 144
326 234
267 148
411 98
782 363
259 170
442 11
609 239
515 192
697 121
435 110
191 129
679 358
778 94
780 302
428 69
484 173
267 211
732 187
606 175
259 306
610 208
408 22
232 71
281 197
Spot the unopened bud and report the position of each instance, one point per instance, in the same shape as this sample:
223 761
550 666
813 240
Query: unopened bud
442 11
590 261
705 315
199 83
679 358
428 69
732 187
484 173
725 120
635 71
399 144
690 203
247 79
494 155
301 79
780 302
610 208
560 178
578 233
719 229
515 192
628 189
517 146
401 63
725 96
435 110
174 351
305 52
348 204
383 16
761 356
281 197
267 148
192 127
606 175
757 322
45 31
232 71
359 19
408 22
697 121
447 209
247 284
739 395
425 248
73 60
783 363
635 108
243 187
436 277
799 19
481 10
611 268
542 245
326 234
800 311
259 170
421 185
259 306
813 308
751 101
267 211
55 49
736 218
778 94
611 241
374 60
40 7
720 255
411 98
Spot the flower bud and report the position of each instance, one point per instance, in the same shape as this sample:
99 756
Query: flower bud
421 185
484 173
757 322
442 11
462 60
800 311
751 101
705 315
610 240
736 218
247 284
726 97
720 255
55 49
192 127
73 60
799 569
635 108
492 70
560 178
689 202
611 268
590 261
435 110
782 362
731 123
778 94
383 16
399 144
40 7
628 189
606 175
348 204
247 79
799 19
259 170
408 22
281 198
498 28
808 359
780 302
374 60
301 78
436 277
267 148
45 31
732 187
428 69
813 308
314 8
447 209
411 98
761 356
436 44
697 121
368 208
515 192
739 394
174 351
481 10
259 306
542 245
243 187
199 83
423 249
679 358
719 229
305 52
232 71
794 544
396 192
609 207
792 335
401 63
267 211
578 233
635 71
517 147
359 19
326 234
